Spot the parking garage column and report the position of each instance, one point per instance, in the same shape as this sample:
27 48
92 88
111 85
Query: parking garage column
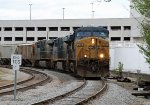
47 33
2 34
13 36
121 34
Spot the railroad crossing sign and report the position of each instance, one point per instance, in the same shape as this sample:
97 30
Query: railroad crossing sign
16 59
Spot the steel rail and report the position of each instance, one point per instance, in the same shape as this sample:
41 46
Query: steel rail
89 98
45 79
100 92
20 82
61 96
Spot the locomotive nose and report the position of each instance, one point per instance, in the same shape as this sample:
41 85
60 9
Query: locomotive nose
90 48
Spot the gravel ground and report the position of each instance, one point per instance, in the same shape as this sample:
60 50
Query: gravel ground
39 94
116 95
63 77
129 87
8 75
61 84
90 89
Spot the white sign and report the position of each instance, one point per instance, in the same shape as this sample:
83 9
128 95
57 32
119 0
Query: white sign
16 59
15 67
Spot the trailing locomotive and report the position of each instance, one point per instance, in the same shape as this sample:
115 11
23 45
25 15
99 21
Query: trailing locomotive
85 52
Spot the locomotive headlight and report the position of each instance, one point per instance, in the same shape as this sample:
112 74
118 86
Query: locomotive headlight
85 56
93 40
101 55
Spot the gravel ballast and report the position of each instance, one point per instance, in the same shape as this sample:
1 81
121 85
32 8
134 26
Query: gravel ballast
116 95
62 83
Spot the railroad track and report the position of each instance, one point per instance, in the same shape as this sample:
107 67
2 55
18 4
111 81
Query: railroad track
36 79
78 96
18 82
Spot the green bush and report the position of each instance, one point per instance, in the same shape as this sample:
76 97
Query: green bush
119 69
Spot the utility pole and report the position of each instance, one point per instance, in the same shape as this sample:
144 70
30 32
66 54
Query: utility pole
30 10
92 10
63 12
93 5
93 14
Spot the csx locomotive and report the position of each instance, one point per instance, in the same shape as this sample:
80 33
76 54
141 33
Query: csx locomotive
85 52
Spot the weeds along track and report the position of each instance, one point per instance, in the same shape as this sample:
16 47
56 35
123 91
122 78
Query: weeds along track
83 94
36 78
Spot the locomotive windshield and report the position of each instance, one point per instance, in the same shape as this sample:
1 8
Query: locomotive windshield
100 34
91 31
81 35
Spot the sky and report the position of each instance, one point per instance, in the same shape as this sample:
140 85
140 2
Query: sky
52 9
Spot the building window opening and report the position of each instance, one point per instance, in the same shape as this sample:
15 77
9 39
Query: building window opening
105 27
18 38
53 28
74 28
41 38
127 38
18 28
115 38
7 38
52 37
7 28
115 28
0 28
0 38
41 28
127 27
30 29
65 28
30 38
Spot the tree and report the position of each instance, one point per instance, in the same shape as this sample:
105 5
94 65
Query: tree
143 7
119 70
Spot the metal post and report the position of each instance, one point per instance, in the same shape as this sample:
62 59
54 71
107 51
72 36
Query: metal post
99 2
92 10
30 10
63 12
15 85
93 14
